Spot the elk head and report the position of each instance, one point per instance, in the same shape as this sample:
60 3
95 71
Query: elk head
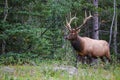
73 33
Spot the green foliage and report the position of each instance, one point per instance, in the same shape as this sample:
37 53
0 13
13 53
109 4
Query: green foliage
19 59
38 26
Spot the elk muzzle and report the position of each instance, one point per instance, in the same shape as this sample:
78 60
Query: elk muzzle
66 37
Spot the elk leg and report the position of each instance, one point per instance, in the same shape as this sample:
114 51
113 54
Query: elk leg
77 60
80 58
92 60
109 60
102 58
108 57
89 59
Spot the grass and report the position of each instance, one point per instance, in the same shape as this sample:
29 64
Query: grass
46 71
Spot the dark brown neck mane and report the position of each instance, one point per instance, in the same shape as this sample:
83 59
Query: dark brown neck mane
77 44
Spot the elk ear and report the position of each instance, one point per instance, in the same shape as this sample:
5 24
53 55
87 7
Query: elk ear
78 30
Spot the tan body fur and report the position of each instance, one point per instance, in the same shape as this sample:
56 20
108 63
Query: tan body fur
94 48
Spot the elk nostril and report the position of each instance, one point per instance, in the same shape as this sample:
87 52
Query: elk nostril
65 37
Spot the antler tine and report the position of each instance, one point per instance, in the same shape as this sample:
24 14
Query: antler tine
68 23
72 19
90 13
85 20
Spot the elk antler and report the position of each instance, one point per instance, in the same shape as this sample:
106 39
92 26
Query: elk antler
68 23
85 20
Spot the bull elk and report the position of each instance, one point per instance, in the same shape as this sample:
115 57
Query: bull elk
86 46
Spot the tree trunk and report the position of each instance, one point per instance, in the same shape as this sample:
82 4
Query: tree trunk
5 17
111 28
115 29
95 21
5 10
115 36
114 23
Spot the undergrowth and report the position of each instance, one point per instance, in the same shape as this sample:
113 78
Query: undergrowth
13 67
19 59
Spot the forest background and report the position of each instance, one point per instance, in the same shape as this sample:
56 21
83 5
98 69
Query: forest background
34 29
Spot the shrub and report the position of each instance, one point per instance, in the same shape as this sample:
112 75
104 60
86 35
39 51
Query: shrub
19 58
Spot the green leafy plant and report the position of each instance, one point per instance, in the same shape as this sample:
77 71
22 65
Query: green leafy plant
20 59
